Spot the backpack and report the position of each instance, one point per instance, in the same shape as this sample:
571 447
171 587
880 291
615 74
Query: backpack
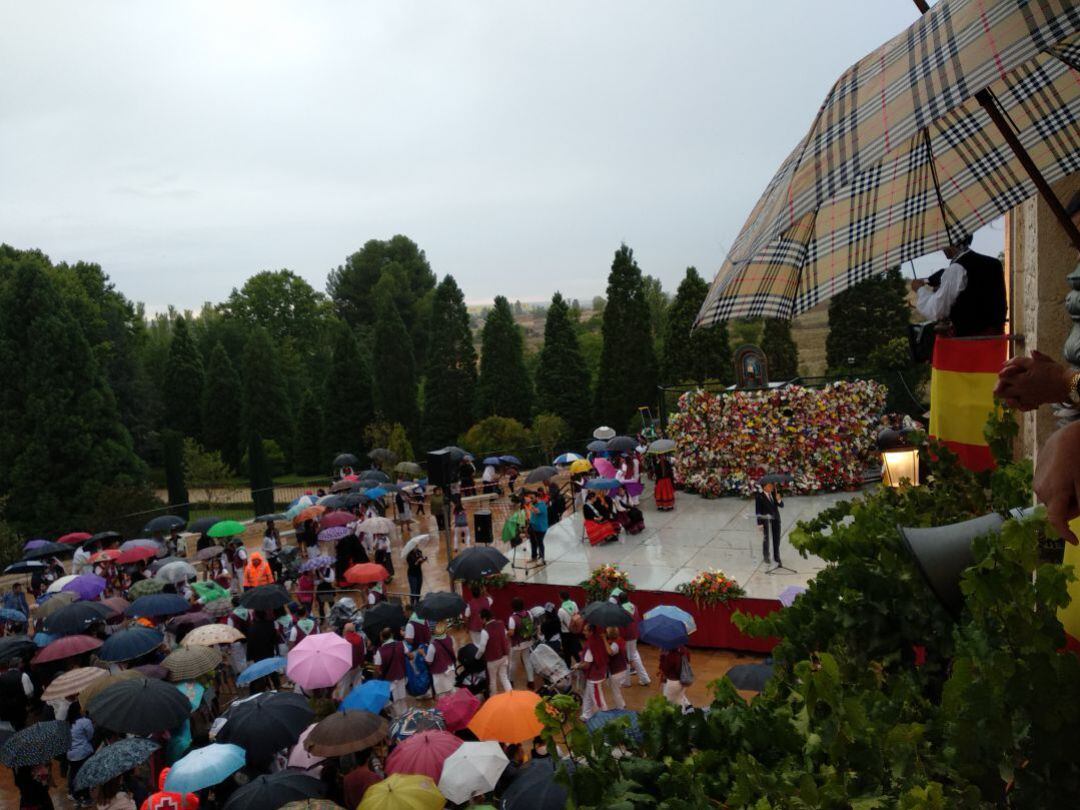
528 627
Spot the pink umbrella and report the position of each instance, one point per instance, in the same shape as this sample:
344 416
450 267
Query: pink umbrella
338 518
458 708
320 660
299 756
66 647
604 467
423 754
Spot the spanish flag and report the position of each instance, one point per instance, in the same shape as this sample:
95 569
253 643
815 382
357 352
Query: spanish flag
964 372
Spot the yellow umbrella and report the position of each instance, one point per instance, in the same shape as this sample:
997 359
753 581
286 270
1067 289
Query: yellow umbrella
580 466
403 792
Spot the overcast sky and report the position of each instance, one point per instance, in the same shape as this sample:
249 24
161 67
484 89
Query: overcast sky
187 145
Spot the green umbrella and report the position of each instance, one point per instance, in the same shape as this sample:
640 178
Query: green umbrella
145 587
409 468
208 590
227 528
512 526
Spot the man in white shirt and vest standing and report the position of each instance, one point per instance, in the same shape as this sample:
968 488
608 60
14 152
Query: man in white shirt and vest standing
970 293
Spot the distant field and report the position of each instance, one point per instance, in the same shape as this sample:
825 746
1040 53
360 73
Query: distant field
809 332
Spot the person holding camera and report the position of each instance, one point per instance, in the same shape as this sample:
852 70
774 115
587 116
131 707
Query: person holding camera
969 293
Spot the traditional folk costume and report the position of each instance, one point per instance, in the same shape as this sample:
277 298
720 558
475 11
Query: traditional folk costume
664 493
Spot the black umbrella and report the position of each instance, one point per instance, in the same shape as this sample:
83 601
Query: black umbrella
776 478
541 474
157 604
272 517
476 563
345 460
265 597
535 788
621 444
36 744
440 605
48 550
75 618
110 761
381 454
266 723
164 523
139 706
354 499
105 537
377 476
384 614
750 677
596 446
16 647
456 453
273 791
129 644
334 502
606 614
203 524
24 567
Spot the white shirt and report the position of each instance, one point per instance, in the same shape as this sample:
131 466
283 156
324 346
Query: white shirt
270 543
564 620
935 305
489 475
80 563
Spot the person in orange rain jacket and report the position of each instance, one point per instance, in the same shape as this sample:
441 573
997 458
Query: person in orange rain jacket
257 571
165 800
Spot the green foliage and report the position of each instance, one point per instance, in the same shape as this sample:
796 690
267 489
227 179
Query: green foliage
266 410
309 457
657 300
262 482
396 392
222 407
704 354
864 318
562 377
627 375
62 439
124 508
206 471
497 435
450 379
392 436
183 390
780 349
503 388
284 304
273 457
550 431
349 392
172 442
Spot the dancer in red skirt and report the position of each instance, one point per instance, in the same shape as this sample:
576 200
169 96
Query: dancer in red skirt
665 485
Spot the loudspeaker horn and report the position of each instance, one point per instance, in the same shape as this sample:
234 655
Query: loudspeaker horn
941 554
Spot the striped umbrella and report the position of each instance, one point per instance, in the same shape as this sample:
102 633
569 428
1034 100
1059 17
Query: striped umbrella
186 663
912 149
72 682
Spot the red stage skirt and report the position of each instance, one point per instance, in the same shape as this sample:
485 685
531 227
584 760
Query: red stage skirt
599 531
664 492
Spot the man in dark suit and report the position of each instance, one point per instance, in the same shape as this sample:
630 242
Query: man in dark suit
767 505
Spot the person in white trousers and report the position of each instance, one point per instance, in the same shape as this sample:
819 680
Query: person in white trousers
616 666
670 674
594 660
630 635
494 648
520 639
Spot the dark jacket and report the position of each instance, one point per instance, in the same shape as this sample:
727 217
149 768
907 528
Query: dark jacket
767 506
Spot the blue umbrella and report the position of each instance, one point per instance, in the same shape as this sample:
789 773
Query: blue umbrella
513 461
260 669
45 639
663 632
492 461
375 493
10 615
158 604
601 719
602 484
205 767
672 612
566 459
371 696
133 642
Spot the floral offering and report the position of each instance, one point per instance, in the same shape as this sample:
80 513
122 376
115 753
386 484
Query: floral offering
711 588
605 579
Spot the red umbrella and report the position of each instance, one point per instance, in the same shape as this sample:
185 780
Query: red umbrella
74 537
65 648
458 708
423 754
366 573
338 518
107 555
135 554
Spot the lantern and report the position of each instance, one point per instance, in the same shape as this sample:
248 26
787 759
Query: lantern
900 459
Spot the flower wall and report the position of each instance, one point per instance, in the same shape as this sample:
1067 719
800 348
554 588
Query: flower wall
824 437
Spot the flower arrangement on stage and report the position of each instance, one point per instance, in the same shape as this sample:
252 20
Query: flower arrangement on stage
492 582
605 579
711 588
824 438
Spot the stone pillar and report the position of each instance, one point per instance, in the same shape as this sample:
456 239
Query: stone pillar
1041 258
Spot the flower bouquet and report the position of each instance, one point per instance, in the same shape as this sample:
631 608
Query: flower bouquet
492 581
711 588
605 579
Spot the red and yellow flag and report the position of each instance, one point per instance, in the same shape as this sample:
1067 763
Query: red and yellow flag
962 395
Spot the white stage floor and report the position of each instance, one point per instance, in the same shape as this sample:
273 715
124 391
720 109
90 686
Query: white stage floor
676 546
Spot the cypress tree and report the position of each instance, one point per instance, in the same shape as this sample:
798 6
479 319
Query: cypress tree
627 375
62 441
172 451
865 317
183 382
504 388
348 393
562 378
704 354
266 404
780 349
262 483
396 395
222 407
450 379
308 455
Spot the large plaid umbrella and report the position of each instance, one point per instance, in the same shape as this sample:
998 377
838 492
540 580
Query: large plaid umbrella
904 158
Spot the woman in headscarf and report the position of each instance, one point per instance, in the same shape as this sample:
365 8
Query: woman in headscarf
665 484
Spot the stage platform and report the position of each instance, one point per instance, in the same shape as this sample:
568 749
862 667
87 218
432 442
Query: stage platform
675 546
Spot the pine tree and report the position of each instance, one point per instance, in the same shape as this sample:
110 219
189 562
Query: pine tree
262 482
627 376
266 408
309 458
780 349
348 393
562 378
450 378
704 354
396 395
222 407
62 442
864 318
172 451
183 388
504 388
